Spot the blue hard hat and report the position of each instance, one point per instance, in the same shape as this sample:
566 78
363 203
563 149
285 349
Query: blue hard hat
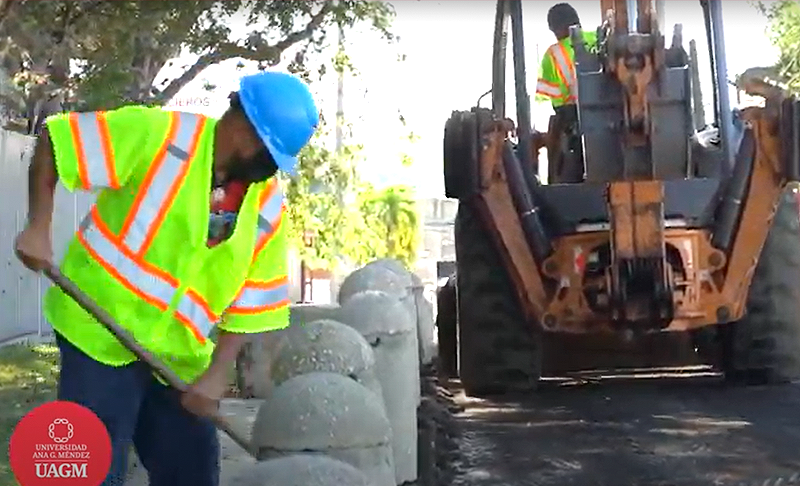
282 110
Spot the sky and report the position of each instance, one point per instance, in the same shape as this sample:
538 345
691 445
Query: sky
447 50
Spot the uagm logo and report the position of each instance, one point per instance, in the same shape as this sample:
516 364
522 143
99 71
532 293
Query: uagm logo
65 432
69 461
60 443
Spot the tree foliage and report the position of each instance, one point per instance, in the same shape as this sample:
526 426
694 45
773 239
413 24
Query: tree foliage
100 54
393 218
320 203
107 53
350 222
784 30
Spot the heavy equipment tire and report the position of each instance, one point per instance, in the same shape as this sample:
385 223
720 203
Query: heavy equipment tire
446 329
499 351
764 346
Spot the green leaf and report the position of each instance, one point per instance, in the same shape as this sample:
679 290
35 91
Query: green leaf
120 47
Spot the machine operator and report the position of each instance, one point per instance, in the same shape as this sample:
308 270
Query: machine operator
558 83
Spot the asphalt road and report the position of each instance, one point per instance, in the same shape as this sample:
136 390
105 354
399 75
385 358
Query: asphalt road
672 429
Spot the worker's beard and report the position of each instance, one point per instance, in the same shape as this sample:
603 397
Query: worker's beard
257 168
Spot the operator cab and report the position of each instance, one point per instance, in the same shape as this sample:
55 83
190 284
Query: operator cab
629 81
639 117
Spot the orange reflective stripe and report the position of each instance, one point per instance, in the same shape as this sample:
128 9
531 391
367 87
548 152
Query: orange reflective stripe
256 297
164 179
194 313
148 177
93 150
270 216
147 282
563 66
569 61
95 238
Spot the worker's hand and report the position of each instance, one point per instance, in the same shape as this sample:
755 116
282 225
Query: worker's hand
203 396
34 248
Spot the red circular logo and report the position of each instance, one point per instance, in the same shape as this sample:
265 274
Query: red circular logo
60 443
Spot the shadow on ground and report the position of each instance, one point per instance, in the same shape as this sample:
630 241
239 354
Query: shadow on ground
668 429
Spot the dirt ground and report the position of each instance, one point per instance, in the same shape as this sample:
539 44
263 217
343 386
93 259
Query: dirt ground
667 428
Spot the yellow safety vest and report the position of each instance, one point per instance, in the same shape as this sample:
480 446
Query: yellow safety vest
142 252
557 79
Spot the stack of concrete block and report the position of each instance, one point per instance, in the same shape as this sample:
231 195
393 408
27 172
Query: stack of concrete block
385 303
326 345
253 368
388 326
390 276
327 413
343 380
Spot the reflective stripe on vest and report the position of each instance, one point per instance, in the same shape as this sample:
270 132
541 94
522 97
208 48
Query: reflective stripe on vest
255 297
162 181
146 281
121 256
270 215
564 66
93 144
547 88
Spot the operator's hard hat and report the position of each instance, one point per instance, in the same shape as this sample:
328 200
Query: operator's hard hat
283 112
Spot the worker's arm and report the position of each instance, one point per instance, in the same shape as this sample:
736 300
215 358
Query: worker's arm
42 180
262 304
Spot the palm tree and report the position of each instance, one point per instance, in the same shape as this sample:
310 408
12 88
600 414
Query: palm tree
393 214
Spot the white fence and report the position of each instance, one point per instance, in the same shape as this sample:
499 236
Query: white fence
21 291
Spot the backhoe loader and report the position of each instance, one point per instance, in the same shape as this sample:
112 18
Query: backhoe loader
676 227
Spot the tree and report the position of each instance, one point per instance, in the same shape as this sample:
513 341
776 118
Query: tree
393 216
321 200
784 31
108 53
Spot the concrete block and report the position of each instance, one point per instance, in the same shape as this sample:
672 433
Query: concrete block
254 364
390 276
425 322
390 328
301 314
330 414
390 263
326 345
302 470
376 276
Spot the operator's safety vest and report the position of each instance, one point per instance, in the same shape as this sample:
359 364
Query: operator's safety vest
557 78
142 252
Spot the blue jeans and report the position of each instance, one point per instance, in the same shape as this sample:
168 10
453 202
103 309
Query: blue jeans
175 447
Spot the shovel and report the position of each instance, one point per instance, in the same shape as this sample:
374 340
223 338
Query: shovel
130 343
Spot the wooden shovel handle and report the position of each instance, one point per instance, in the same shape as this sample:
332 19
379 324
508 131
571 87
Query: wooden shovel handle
127 340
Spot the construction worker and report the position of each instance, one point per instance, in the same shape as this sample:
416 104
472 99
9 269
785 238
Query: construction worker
188 232
558 83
